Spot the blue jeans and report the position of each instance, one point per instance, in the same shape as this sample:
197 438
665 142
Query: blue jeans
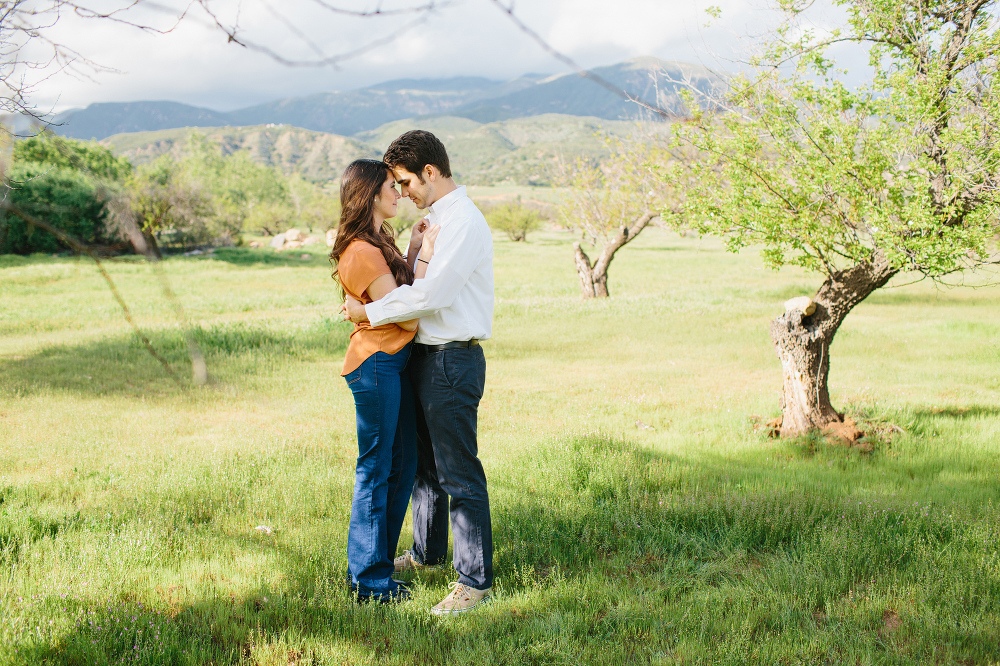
448 386
383 479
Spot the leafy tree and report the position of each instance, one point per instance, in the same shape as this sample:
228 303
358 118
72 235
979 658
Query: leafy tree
610 203
65 198
163 204
315 208
246 196
208 197
407 215
514 219
64 182
857 184
89 157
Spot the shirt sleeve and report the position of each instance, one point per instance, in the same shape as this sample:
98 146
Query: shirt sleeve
359 266
459 249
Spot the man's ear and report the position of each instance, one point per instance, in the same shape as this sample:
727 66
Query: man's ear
431 172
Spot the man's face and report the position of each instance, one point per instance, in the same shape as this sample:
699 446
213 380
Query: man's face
420 191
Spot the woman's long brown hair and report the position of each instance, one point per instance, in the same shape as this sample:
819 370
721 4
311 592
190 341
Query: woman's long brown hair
361 183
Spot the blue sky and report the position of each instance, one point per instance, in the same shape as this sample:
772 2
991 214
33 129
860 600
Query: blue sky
194 63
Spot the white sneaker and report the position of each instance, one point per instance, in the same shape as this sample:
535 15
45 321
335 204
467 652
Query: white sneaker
461 599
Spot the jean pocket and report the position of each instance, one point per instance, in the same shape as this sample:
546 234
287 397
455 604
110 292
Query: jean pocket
453 366
352 377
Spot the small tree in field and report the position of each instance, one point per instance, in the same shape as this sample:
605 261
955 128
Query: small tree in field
609 204
899 174
407 215
161 200
514 219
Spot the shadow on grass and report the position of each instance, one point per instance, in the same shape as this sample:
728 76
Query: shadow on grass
121 365
614 554
958 413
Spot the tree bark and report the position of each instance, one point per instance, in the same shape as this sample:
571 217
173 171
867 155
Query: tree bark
803 344
151 243
586 271
594 276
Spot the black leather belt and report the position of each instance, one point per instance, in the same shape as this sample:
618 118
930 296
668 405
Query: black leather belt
430 349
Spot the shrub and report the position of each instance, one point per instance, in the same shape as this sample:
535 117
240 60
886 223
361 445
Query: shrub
514 219
63 182
62 196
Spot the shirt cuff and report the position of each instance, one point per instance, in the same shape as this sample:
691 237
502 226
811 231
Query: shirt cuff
376 313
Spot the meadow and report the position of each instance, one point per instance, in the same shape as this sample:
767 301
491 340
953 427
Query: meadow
641 513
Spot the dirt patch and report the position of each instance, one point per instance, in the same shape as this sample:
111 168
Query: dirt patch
890 622
845 432
772 427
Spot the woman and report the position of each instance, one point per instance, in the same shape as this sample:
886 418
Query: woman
368 266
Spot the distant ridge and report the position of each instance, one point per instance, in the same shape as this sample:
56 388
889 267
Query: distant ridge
479 99
103 119
518 151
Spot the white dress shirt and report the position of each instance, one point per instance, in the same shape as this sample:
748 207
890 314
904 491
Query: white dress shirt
454 300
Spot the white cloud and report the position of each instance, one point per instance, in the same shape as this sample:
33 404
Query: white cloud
194 64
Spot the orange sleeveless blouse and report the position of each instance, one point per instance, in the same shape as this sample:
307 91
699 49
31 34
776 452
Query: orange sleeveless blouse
359 265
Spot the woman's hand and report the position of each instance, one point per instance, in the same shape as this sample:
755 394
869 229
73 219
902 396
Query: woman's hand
353 310
417 233
430 237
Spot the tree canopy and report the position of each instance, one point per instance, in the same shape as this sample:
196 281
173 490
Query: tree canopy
824 175
861 182
64 182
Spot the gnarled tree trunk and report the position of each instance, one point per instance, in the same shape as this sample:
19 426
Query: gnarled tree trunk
803 344
594 276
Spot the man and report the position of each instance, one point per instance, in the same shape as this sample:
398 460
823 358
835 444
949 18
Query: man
454 302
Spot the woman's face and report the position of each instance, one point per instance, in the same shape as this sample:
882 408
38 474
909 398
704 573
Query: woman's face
387 199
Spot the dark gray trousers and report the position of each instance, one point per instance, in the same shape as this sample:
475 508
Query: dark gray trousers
448 386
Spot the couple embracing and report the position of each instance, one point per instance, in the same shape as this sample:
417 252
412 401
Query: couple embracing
417 372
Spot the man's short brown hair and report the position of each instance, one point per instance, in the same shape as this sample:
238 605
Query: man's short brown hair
416 149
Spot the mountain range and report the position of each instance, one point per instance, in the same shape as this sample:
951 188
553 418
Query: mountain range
477 99
519 151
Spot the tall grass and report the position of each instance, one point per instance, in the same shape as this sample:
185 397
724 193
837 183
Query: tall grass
640 514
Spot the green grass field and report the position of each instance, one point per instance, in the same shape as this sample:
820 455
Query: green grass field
640 516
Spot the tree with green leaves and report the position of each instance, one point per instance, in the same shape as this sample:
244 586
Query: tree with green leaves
609 204
858 183
65 182
514 219
91 158
161 201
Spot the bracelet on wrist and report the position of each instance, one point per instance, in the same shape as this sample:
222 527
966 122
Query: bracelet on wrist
423 260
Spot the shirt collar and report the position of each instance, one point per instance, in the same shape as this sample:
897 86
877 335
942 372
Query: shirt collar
447 201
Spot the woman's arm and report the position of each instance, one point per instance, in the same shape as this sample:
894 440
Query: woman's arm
381 286
426 251
416 238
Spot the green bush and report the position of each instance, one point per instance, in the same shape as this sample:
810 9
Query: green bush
514 219
62 196
90 158
63 182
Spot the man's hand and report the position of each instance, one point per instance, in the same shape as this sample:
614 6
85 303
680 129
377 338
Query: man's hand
354 310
